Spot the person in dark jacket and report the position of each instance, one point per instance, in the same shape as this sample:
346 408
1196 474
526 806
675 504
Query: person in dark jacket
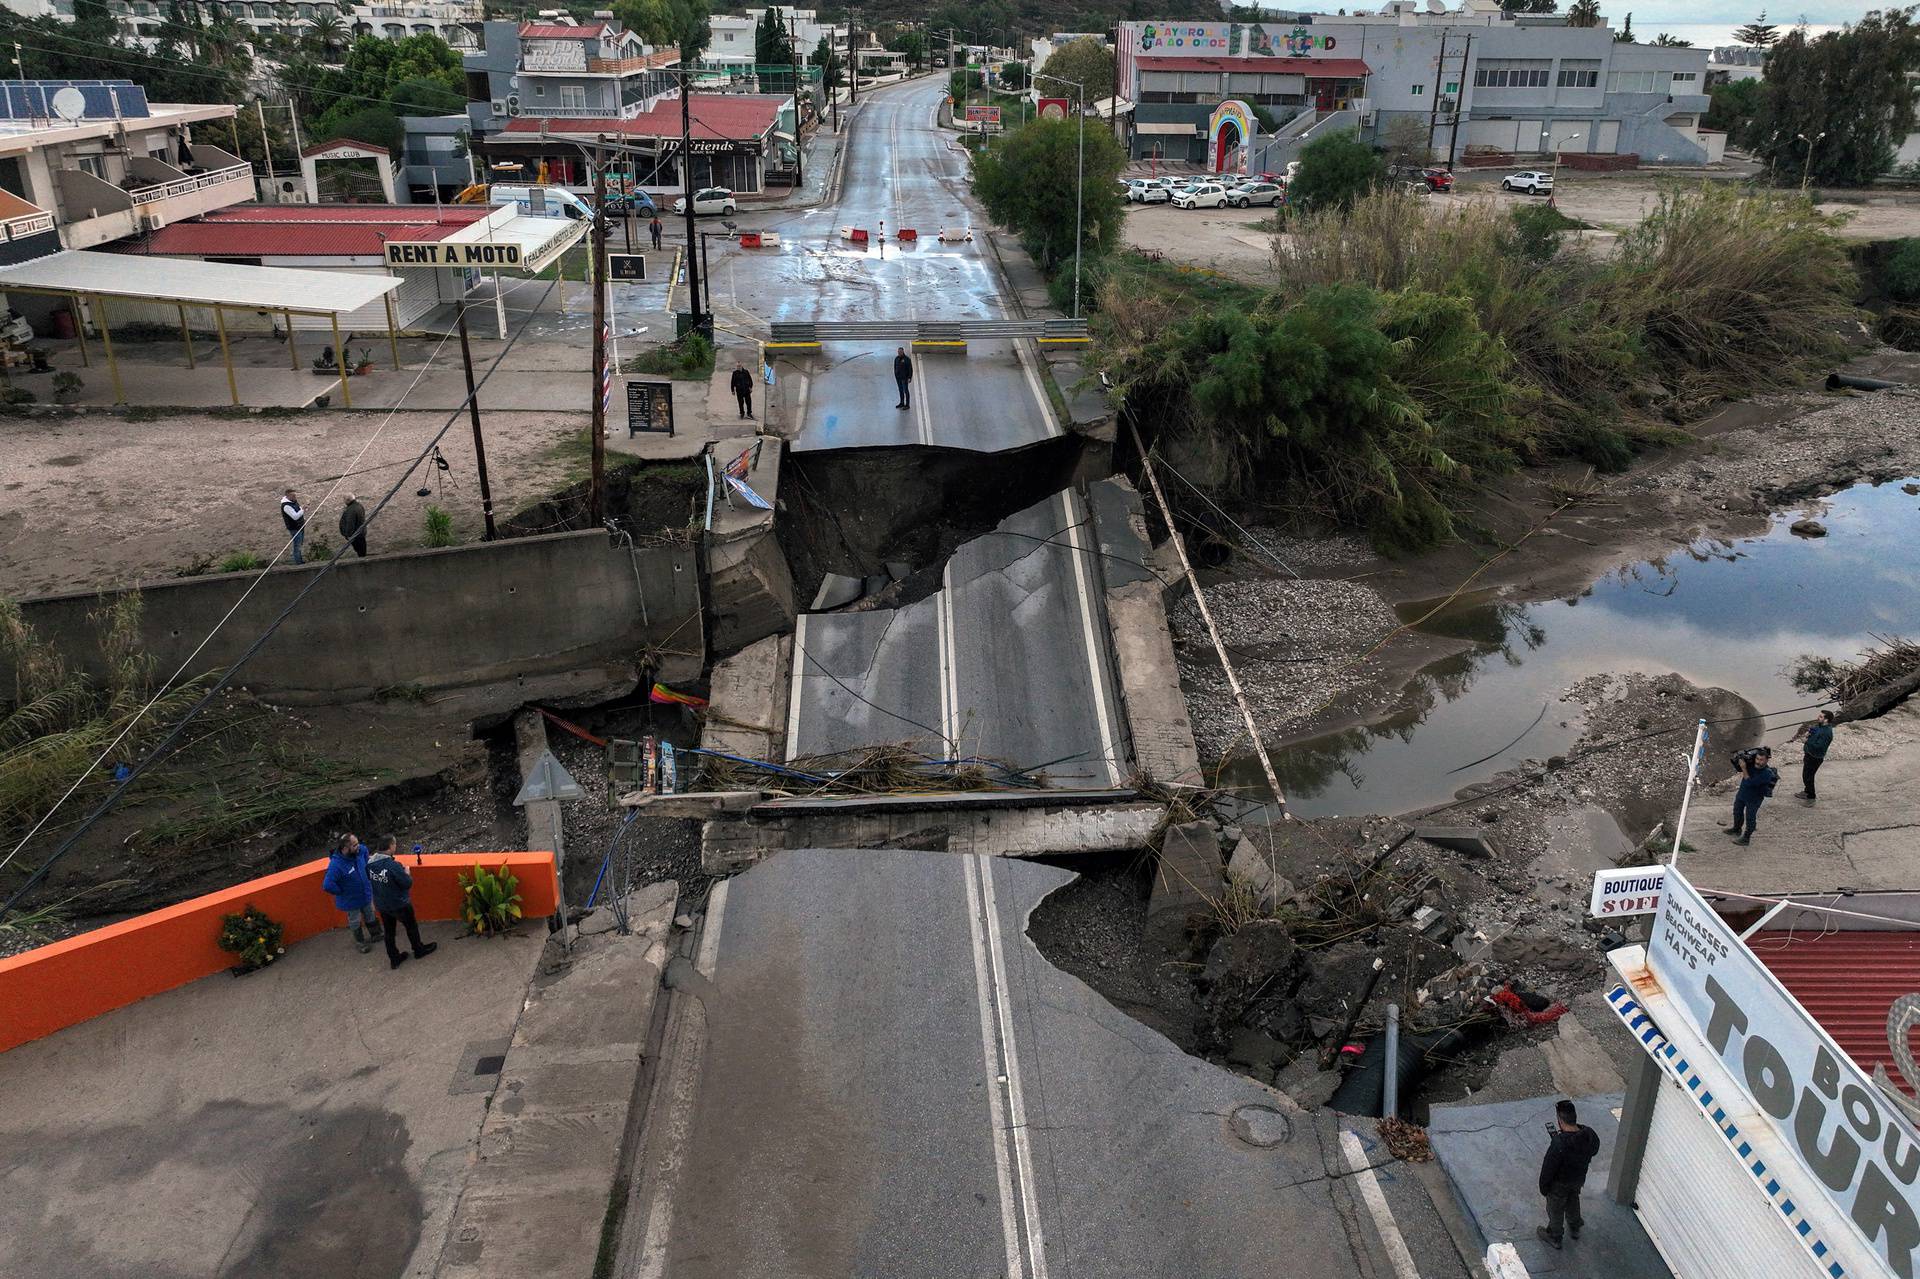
346 879
903 378
294 516
653 229
1819 735
742 384
393 898
353 525
1564 1171
1758 777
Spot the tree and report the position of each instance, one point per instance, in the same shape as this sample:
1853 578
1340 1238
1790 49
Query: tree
327 35
1667 41
1733 107
1758 34
1583 13
771 44
1625 34
1530 6
680 24
1851 85
827 61
1406 140
1028 183
1335 171
912 45
1085 61
1013 77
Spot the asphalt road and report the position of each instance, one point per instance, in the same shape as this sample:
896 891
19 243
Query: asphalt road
899 172
891 1081
1007 661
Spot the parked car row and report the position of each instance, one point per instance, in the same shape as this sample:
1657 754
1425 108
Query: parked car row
1206 193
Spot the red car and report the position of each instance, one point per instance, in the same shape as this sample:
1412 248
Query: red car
1437 179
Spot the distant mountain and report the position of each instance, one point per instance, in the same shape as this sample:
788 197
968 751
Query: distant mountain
1002 22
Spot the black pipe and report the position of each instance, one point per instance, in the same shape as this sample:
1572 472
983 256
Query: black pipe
1854 382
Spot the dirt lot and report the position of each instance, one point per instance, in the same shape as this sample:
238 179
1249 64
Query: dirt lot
102 500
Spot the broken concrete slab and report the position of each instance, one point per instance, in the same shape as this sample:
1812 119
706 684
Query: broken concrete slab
544 827
747 703
554 1141
1471 840
1477 946
1149 680
1188 880
750 590
1255 869
1057 830
837 589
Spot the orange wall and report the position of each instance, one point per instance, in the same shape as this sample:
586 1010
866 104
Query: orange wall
71 981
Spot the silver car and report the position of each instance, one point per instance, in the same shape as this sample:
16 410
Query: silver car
1251 193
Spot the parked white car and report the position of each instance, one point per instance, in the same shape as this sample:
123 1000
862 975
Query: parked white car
1201 195
712 200
1148 191
1251 193
1531 181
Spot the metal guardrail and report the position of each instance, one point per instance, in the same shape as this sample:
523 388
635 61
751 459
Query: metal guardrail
198 182
812 333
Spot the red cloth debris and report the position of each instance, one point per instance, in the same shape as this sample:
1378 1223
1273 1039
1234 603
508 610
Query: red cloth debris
1516 1012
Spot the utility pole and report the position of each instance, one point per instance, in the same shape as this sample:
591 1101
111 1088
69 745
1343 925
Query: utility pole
601 373
799 151
265 150
1459 104
853 56
1439 75
686 185
479 442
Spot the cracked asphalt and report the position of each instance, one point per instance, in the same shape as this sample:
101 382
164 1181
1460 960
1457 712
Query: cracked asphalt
895 1082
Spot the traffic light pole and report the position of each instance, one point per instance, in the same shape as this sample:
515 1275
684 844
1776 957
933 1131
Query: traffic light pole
598 276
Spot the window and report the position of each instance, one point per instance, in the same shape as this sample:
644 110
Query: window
573 96
94 164
1419 89
1635 82
1579 74
1511 73
1683 81
726 37
1453 87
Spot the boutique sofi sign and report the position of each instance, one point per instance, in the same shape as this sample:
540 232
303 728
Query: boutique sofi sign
1828 1114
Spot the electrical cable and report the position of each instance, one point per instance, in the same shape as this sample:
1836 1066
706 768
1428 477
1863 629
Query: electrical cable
227 676
1229 519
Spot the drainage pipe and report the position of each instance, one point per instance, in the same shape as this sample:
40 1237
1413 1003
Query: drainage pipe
707 457
1390 1087
1855 382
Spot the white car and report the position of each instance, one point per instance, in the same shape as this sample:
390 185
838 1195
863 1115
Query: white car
1202 195
712 200
1148 192
1251 193
1531 181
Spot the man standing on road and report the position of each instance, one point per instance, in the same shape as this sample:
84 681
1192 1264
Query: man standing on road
1819 735
1758 777
903 378
742 384
393 899
295 518
653 229
1563 1172
353 525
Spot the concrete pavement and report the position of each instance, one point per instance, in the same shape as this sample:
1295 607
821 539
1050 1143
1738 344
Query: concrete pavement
878 1074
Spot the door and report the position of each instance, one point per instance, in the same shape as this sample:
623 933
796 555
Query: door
1531 136
1571 135
1701 1207
1606 139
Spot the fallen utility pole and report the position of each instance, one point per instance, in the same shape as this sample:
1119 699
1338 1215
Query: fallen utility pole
1206 615
473 412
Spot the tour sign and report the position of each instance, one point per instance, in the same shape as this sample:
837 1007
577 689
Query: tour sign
442 254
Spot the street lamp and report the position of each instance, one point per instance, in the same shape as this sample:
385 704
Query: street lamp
1806 170
1553 175
1079 179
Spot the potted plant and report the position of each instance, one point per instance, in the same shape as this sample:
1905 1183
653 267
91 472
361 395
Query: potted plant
66 386
252 937
490 901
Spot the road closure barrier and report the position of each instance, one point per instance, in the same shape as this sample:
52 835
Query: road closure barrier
907 233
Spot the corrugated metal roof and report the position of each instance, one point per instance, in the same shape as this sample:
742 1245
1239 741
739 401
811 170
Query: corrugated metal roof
561 31
302 231
732 117
254 288
1847 981
1318 68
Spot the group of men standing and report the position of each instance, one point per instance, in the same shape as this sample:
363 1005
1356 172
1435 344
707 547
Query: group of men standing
353 524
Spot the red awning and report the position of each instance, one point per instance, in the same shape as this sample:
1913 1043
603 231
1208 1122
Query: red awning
303 231
1312 68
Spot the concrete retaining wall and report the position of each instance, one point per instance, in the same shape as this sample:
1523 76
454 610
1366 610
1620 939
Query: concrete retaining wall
456 617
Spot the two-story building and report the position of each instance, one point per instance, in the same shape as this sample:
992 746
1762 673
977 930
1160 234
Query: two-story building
731 36
105 163
1473 79
452 20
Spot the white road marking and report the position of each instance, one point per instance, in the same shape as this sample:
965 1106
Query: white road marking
1097 667
793 693
709 954
1376 1201
1016 1104
1033 384
949 688
996 1118
920 409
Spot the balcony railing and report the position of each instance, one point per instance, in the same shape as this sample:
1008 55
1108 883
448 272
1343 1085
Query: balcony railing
25 225
198 182
579 113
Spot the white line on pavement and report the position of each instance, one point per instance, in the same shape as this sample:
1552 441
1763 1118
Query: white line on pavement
949 687
1033 384
1096 652
1016 1103
793 693
1376 1201
995 1116
710 930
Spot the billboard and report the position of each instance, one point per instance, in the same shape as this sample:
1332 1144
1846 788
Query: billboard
1053 108
983 115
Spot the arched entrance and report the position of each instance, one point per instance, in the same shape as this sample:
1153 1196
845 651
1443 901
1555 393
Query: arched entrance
1225 142
1231 129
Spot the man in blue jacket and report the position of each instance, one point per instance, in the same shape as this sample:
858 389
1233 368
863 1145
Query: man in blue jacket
346 879
393 898
1819 736
1758 777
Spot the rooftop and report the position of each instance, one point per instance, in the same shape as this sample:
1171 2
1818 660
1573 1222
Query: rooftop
1847 981
563 30
304 230
716 117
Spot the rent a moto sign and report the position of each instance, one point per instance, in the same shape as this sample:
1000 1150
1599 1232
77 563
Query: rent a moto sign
1846 1134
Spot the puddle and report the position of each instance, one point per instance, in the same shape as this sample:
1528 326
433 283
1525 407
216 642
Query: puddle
1734 615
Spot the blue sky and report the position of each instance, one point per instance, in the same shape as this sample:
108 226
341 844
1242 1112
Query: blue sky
1648 13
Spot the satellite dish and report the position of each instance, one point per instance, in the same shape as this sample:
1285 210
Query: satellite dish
70 104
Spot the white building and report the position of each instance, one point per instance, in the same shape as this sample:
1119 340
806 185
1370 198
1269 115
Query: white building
451 20
732 36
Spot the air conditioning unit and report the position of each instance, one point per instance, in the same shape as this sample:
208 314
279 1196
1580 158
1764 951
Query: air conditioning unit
152 221
1447 105
513 104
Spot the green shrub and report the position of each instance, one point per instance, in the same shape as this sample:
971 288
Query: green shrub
1335 170
490 900
439 527
317 548
1900 277
252 937
689 358
1536 231
241 562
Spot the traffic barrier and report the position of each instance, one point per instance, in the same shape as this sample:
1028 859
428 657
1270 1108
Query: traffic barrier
770 239
956 235
857 235
908 233
750 239
793 332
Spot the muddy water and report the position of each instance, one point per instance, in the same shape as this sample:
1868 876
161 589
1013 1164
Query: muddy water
1734 615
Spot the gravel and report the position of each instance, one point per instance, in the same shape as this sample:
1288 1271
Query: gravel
1293 645
1305 554
653 848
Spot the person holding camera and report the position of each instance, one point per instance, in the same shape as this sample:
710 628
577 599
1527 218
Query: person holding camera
1571 1146
1758 777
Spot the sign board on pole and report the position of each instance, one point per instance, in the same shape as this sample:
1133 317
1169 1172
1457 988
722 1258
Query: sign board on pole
440 253
1850 1140
626 266
649 408
1053 108
1632 891
983 115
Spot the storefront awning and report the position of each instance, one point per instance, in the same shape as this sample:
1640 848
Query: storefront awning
193 283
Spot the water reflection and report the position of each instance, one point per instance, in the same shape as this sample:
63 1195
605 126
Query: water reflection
1732 614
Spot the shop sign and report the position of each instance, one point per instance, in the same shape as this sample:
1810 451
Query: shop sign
1845 1133
1053 108
1233 39
649 408
722 146
1632 891
440 253
983 115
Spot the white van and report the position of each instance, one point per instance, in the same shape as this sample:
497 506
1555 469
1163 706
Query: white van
540 202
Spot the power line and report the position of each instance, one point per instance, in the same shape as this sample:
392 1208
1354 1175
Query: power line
227 676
